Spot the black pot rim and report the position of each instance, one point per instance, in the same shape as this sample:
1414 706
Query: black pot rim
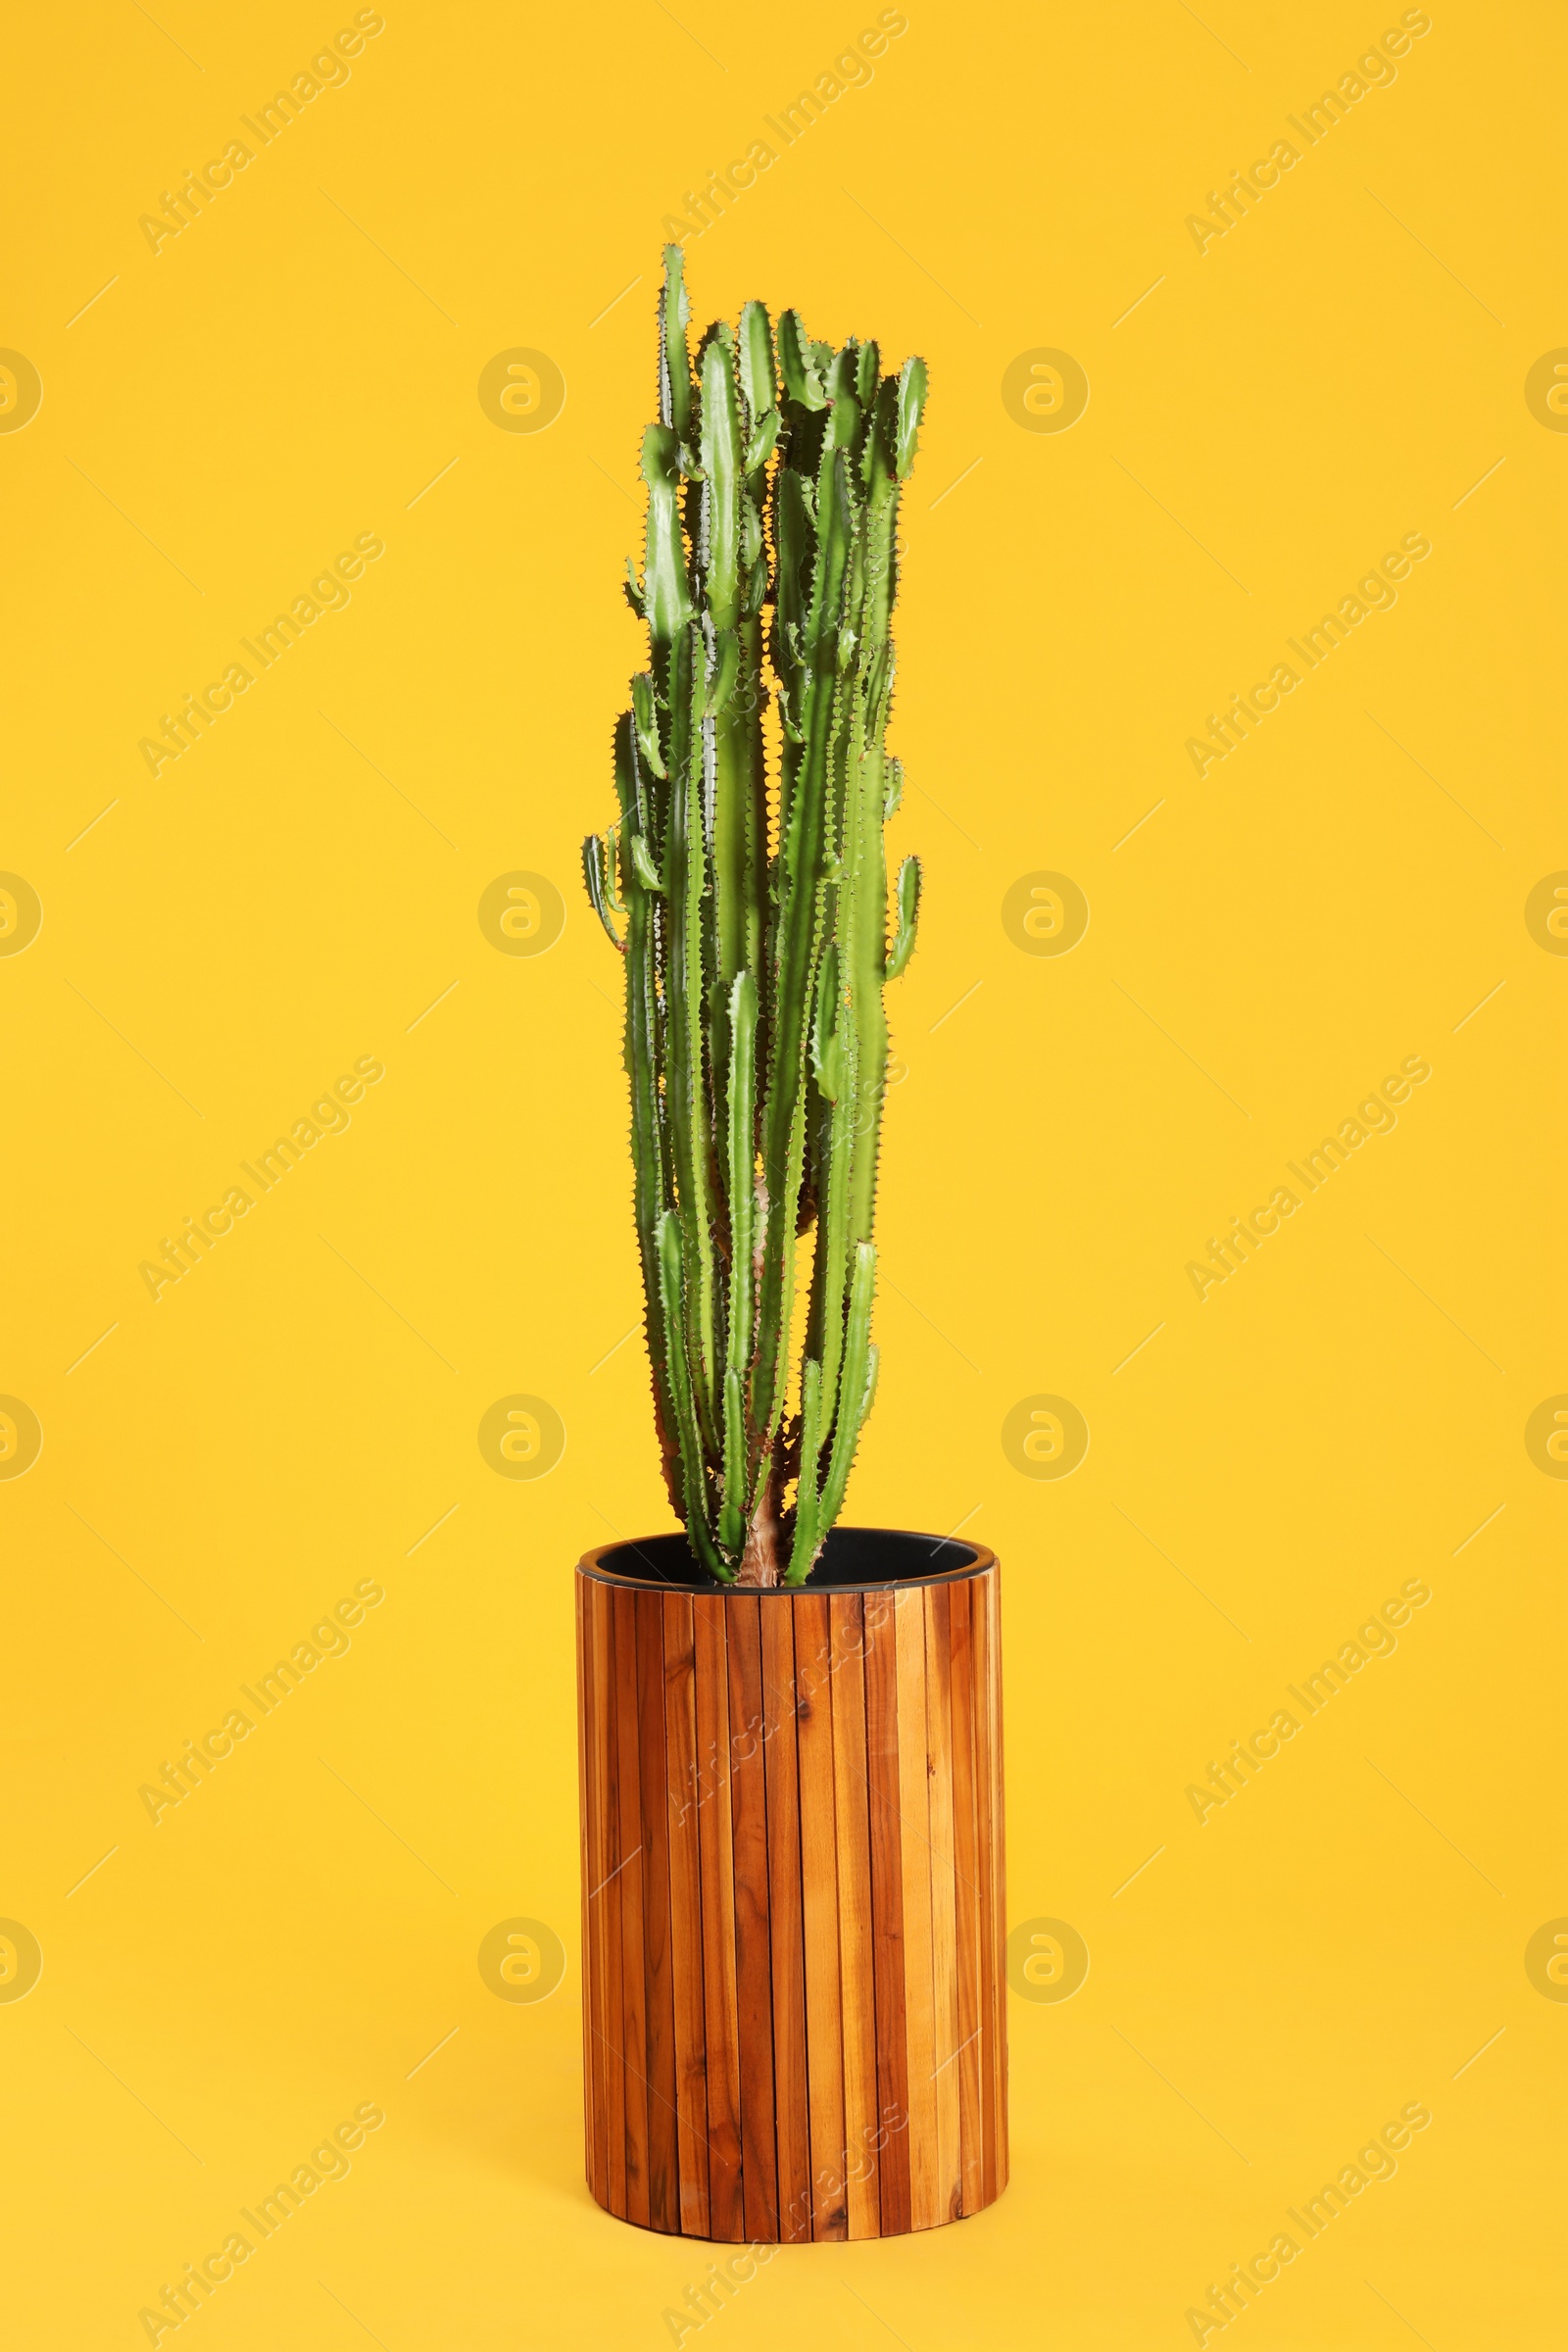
668 1564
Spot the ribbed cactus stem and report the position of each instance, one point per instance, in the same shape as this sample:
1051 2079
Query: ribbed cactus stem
754 923
741 1186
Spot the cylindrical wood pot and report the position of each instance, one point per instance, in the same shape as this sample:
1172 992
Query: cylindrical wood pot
794 1930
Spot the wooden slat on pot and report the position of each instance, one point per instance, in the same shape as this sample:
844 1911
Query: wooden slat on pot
944 1901
887 1908
607 1901
584 1827
991 2060
628 1886
753 1970
716 1853
685 1910
663 2159
851 1803
595 1614
824 2017
966 1894
787 1936
915 1829
998 1788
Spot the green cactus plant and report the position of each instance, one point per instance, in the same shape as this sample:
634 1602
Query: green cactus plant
744 884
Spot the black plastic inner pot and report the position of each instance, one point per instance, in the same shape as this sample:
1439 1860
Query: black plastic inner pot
855 1559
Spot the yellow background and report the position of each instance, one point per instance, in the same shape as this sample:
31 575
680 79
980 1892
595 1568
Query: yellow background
292 370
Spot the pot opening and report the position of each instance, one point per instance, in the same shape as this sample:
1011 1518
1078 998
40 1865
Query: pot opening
855 1559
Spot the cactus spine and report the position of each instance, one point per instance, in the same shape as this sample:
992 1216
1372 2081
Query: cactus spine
753 920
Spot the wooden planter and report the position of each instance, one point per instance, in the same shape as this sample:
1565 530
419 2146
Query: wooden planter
793 2003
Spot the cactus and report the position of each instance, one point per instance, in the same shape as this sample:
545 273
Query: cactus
745 883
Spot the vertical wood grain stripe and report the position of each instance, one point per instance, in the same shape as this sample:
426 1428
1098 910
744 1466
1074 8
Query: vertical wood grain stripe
852 1816
628 1886
664 2168
685 1910
754 1976
825 2022
584 1817
966 1898
992 1585
887 1908
944 1960
990 1956
609 1927
914 1832
717 1856
785 1925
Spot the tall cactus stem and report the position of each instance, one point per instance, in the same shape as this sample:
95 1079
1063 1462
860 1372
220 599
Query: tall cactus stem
752 918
